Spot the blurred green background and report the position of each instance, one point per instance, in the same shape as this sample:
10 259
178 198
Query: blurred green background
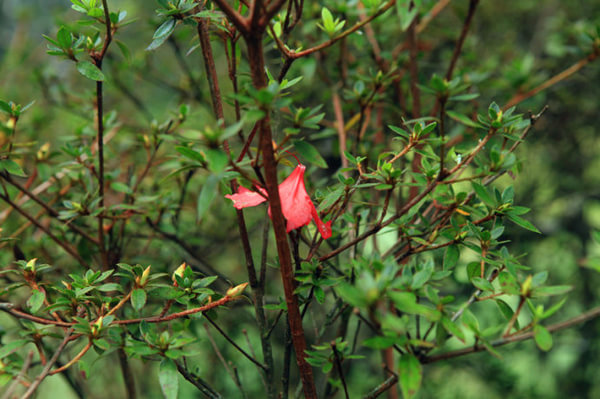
512 46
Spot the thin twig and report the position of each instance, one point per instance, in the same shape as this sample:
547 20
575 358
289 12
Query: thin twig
36 383
59 242
553 80
48 209
13 385
461 39
221 358
198 382
582 318
232 342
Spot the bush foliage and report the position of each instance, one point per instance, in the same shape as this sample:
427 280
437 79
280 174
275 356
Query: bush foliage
375 145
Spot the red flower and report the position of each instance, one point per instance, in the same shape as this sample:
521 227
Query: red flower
296 205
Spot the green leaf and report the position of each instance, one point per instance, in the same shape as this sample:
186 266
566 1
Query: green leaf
12 167
330 198
505 309
542 337
411 374
406 15
483 195
109 287
191 154
64 37
482 284
90 70
310 153
95 12
121 187
36 300
550 290
420 278
207 195
138 299
465 120
464 97
407 302
379 342
162 33
4 106
327 19
453 329
168 379
352 295
554 309
526 224
6 349
451 256
217 160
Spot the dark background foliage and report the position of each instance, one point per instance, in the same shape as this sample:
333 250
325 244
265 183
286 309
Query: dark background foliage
511 48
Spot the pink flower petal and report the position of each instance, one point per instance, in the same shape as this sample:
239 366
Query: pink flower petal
324 228
245 198
295 202
296 205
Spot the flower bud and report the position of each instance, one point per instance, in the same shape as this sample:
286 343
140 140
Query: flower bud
145 275
236 291
178 272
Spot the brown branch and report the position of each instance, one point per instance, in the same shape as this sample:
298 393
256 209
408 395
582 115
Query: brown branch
461 40
236 19
582 318
74 360
99 105
257 68
48 209
339 118
222 359
7 307
235 345
36 383
408 205
272 10
211 72
338 364
59 242
553 80
439 6
347 32
198 382
391 381
178 315
8 394
381 388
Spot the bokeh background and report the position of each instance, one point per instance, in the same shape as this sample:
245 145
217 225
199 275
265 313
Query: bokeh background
512 47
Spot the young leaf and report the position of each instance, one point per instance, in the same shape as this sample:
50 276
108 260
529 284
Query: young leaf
168 379
451 256
191 154
526 224
453 329
138 299
310 153
465 120
36 300
11 167
411 374
482 284
542 337
483 194
6 349
90 71
162 33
